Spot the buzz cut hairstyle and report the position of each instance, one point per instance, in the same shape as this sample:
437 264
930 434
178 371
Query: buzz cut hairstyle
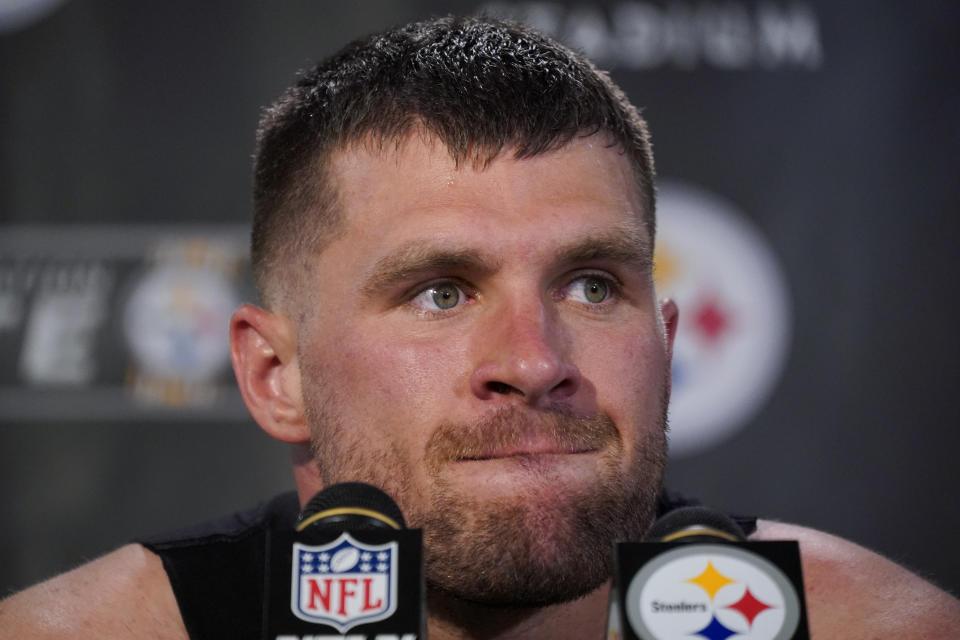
478 85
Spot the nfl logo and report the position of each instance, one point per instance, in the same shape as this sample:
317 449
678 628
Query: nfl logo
344 583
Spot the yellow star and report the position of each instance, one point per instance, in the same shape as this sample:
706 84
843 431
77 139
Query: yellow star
711 580
665 267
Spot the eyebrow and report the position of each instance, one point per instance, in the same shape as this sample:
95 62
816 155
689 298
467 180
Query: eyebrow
414 259
628 246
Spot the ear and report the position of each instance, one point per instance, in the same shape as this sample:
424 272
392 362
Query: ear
671 317
263 348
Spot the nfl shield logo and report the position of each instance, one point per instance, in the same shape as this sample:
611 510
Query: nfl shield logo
344 583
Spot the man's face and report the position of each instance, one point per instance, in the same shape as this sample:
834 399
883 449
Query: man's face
486 346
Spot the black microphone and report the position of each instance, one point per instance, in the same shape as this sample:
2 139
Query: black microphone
351 567
696 575
695 524
350 505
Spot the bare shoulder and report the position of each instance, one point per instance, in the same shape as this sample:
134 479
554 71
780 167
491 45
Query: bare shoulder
855 593
122 594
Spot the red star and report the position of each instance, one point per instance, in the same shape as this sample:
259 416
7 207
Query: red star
711 320
749 606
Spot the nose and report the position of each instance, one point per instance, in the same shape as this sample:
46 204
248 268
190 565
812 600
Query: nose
524 353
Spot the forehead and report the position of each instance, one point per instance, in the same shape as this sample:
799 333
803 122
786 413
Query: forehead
415 191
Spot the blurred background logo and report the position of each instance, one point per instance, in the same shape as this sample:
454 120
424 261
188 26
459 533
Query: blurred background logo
108 322
734 330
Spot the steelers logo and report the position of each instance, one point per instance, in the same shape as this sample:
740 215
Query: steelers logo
734 331
176 322
714 592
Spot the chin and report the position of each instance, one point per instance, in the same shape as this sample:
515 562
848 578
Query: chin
531 548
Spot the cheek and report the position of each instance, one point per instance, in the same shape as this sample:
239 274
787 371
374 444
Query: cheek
389 381
628 371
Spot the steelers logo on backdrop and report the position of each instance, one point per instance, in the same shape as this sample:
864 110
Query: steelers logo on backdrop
176 321
734 329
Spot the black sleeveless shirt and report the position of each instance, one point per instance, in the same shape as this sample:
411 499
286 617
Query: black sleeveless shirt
220 570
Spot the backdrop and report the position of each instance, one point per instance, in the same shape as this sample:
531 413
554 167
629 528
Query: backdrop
808 155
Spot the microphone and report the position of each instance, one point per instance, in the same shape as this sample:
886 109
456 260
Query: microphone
695 524
351 567
696 574
350 505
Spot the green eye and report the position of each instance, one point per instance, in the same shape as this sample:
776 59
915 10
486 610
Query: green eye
445 296
440 296
595 290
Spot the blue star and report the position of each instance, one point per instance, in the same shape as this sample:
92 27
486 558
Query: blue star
715 631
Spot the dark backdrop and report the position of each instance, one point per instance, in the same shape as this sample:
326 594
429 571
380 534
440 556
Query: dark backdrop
833 127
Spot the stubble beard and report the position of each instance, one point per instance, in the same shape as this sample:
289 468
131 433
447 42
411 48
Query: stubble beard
533 550
517 551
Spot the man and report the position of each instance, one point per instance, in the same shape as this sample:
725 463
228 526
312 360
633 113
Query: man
453 238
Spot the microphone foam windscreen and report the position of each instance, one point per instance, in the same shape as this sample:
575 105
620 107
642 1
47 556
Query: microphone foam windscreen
353 499
694 521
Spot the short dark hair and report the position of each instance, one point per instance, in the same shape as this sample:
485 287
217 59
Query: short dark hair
477 84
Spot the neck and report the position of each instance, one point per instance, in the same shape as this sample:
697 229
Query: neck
454 619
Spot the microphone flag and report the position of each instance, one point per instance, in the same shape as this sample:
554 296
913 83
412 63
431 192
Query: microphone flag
341 577
707 583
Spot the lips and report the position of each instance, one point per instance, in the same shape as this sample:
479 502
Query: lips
517 433
529 447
